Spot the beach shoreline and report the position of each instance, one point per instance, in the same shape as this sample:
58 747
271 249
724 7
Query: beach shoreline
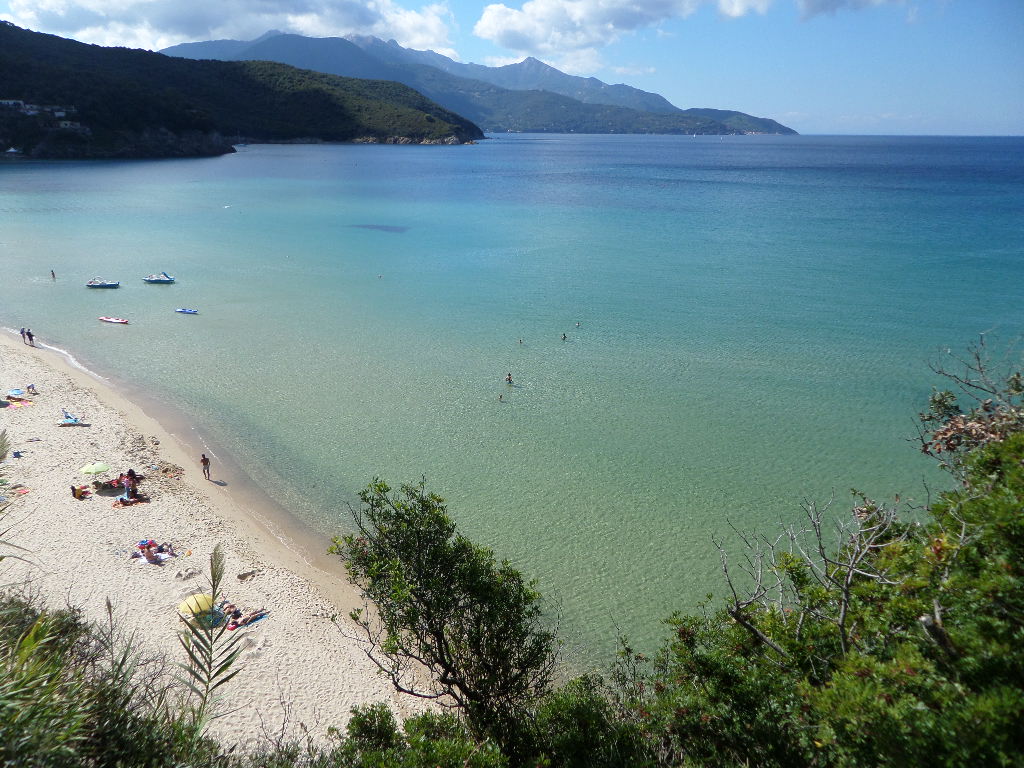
298 666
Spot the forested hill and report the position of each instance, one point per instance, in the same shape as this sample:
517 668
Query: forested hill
529 96
77 100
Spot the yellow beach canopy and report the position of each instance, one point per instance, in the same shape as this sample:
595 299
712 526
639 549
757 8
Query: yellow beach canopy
193 605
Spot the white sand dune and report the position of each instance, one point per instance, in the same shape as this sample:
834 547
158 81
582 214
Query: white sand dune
297 667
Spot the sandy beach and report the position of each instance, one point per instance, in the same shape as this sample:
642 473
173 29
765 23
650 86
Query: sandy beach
297 666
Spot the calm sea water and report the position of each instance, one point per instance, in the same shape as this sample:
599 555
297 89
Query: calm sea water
755 317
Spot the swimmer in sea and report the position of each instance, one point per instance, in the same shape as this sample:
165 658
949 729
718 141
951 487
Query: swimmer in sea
509 377
564 337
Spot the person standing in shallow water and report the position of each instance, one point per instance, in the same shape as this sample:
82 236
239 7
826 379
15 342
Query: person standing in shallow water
30 337
53 275
206 466
23 339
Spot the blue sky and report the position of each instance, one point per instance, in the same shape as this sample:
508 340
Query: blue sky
820 66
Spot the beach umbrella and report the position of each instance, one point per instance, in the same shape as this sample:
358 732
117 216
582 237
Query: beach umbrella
196 604
15 392
96 468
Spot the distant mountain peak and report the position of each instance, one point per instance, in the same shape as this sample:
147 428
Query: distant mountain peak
269 34
530 61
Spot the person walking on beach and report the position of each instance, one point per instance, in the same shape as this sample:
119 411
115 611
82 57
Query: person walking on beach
30 337
206 466
23 339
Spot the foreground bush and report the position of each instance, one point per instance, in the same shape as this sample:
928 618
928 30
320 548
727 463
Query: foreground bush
74 695
871 641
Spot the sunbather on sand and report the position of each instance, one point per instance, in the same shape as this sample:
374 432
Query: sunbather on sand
124 500
153 556
238 620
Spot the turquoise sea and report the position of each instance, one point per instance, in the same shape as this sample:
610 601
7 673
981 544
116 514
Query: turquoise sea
755 319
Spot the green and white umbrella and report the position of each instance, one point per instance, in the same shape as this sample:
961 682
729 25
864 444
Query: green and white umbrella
96 468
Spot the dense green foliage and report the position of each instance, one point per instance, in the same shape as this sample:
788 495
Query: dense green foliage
77 695
443 603
122 95
893 643
930 671
74 696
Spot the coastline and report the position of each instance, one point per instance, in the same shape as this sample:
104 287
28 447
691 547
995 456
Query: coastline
298 670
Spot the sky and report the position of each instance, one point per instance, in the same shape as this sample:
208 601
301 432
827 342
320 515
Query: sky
948 67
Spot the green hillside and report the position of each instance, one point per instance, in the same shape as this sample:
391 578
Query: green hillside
138 103
740 121
528 97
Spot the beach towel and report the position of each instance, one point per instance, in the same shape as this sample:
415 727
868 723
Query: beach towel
21 403
231 628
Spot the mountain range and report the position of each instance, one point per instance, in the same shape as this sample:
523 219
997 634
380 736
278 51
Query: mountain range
63 98
529 96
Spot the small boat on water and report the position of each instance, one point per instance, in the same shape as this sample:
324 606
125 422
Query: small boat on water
118 320
187 311
97 282
163 278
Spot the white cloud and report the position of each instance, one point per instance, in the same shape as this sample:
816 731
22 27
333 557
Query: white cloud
502 61
157 24
585 61
813 7
554 27
564 28
572 28
737 8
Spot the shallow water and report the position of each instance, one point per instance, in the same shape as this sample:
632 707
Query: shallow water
755 319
